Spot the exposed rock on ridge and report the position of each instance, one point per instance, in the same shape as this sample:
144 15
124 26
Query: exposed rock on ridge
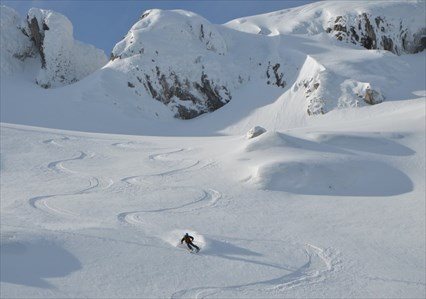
181 60
48 36
376 32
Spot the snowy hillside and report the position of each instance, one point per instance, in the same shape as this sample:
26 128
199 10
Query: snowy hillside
398 27
190 67
47 37
294 155
189 64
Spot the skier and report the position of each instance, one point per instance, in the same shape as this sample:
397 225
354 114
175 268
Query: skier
188 240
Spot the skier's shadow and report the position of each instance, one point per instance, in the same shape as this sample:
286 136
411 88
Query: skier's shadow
216 247
233 252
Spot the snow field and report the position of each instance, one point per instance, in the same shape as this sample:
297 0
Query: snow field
114 208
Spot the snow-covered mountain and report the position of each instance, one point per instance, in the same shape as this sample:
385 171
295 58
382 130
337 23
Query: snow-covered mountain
178 64
47 37
193 66
396 26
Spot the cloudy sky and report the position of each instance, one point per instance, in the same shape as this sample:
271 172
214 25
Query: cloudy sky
104 23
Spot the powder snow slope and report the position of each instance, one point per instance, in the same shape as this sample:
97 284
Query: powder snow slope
329 202
334 210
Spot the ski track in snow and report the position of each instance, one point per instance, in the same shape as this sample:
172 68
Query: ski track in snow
164 156
211 197
42 203
134 179
320 263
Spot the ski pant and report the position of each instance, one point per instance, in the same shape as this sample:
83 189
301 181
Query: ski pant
192 244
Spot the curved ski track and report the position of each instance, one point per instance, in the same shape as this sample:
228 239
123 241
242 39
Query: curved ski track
320 264
211 197
133 180
41 202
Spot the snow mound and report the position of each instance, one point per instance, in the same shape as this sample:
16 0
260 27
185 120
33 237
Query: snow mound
269 140
168 28
255 131
285 142
366 143
333 178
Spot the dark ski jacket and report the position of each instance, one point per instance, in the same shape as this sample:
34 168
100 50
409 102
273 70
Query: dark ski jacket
187 239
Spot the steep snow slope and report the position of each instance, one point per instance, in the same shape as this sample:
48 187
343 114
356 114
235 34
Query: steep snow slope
47 36
396 26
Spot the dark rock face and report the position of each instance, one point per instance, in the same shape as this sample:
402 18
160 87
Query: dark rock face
377 33
37 36
278 76
372 97
190 97
419 42
187 99
187 95
368 39
213 98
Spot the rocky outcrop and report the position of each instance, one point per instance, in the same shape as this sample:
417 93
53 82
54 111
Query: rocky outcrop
15 46
377 32
181 60
37 37
188 99
315 99
255 131
278 77
372 96
63 59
